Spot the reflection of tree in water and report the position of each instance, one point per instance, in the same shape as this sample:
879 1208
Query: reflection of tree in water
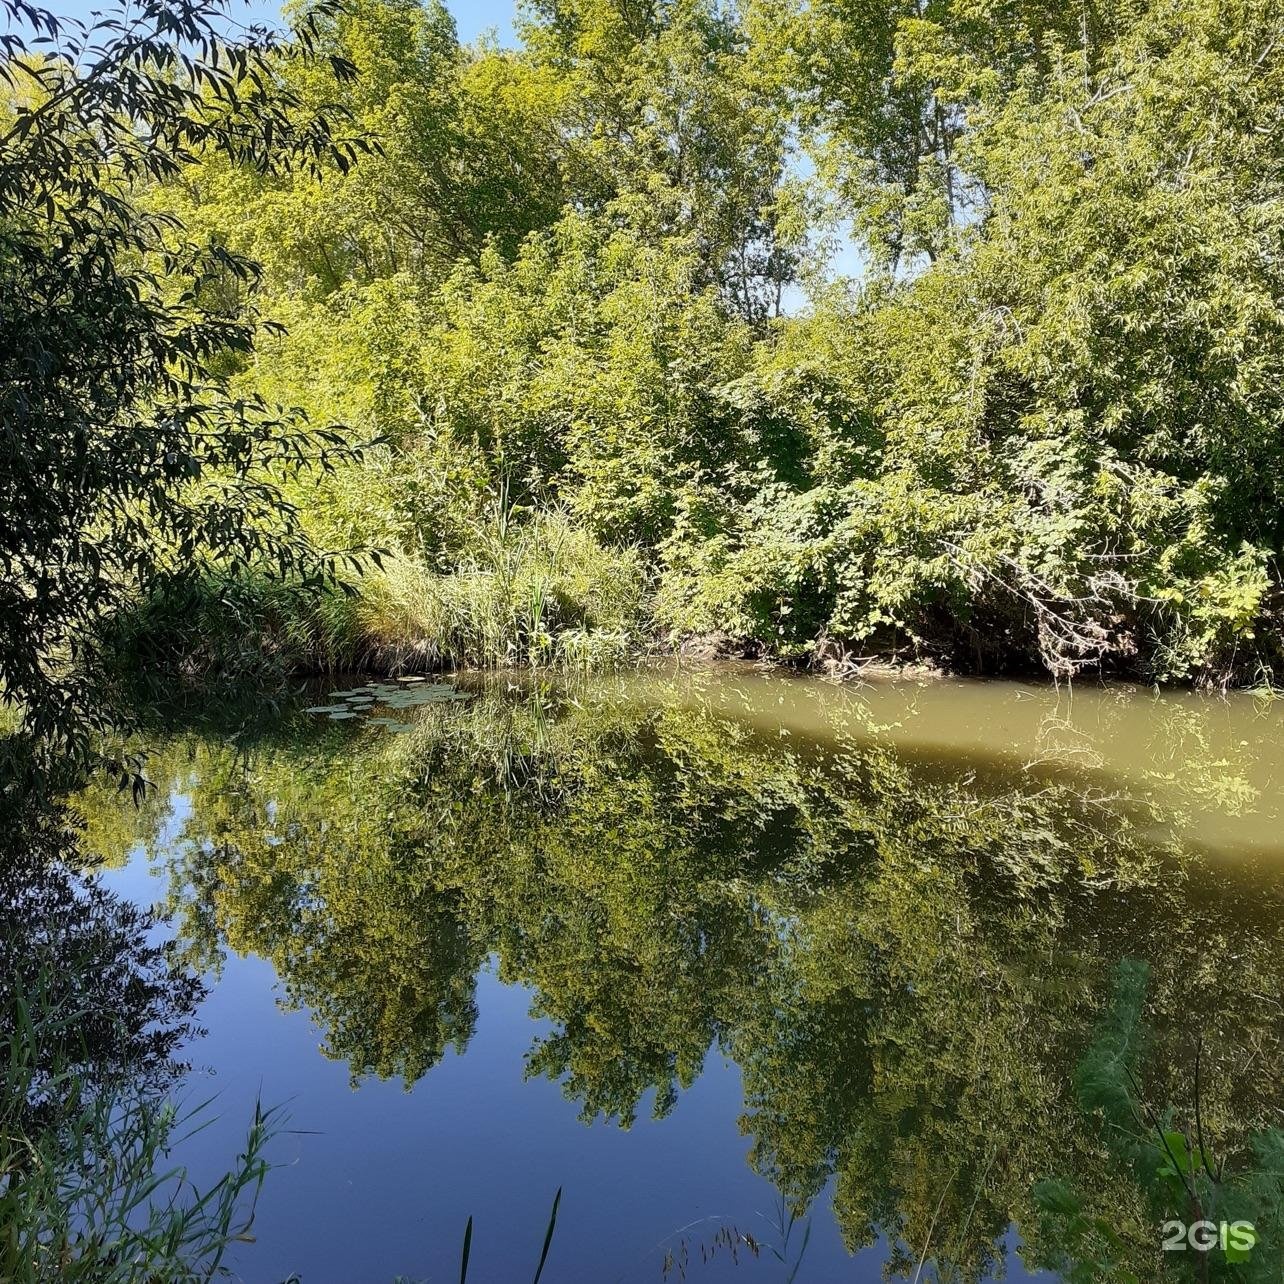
81 961
907 963
93 1017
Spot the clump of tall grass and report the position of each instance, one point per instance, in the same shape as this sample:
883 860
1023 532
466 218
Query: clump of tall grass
535 590
538 591
88 1190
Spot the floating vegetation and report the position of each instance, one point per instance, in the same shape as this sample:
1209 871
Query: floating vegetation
383 698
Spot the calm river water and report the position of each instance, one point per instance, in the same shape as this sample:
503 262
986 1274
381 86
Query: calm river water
775 978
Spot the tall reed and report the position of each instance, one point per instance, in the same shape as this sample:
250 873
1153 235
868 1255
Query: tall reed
89 1189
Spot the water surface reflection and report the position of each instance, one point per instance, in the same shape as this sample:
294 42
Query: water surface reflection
880 931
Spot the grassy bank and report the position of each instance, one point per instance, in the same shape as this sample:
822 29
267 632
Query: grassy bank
538 592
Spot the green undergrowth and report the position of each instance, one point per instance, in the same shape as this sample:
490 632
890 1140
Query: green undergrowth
540 592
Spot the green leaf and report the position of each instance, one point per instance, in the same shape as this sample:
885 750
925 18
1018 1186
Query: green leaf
1236 1250
1175 1143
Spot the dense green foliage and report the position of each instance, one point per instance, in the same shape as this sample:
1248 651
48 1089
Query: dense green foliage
584 294
906 964
585 291
126 459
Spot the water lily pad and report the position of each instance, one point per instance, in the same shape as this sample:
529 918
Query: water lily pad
436 693
341 714
324 708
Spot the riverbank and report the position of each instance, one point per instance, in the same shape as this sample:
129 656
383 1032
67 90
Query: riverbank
390 622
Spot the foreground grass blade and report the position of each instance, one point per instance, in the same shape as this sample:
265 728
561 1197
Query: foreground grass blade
793 1275
468 1248
548 1236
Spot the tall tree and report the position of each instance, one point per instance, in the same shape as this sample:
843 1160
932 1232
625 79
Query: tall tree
675 133
123 455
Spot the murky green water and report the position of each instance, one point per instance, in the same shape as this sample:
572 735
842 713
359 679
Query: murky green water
921 964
